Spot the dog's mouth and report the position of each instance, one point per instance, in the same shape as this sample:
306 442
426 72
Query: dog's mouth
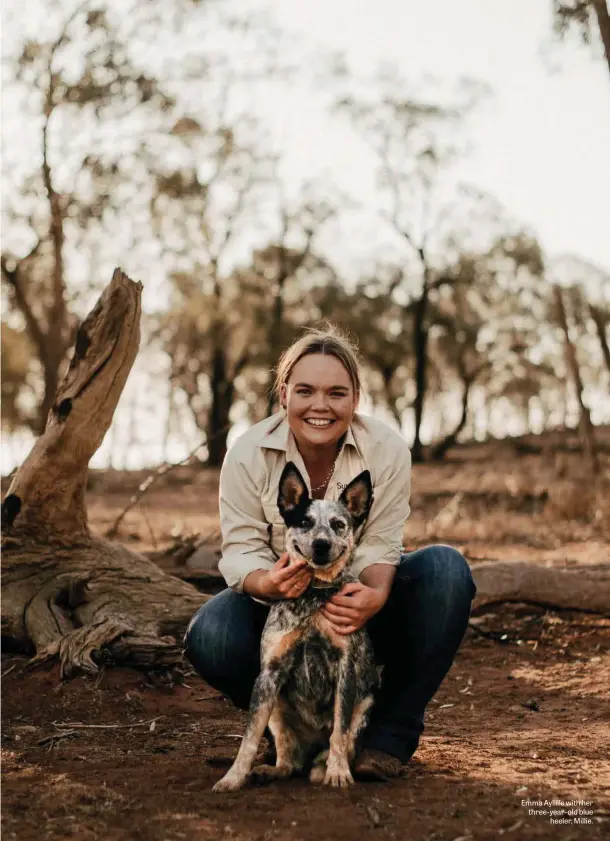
318 560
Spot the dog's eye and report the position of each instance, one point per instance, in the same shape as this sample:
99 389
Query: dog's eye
337 525
307 523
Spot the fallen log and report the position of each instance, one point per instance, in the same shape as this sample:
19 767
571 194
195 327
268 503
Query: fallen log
586 587
65 592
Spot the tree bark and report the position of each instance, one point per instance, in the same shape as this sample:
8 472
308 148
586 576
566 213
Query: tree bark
586 588
586 427
438 452
222 389
600 326
277 316
420 348
603 20
65 592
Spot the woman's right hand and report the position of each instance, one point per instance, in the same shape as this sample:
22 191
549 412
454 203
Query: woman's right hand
284 580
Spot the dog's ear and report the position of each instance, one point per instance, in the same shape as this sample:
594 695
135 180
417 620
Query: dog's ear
358 498
293 496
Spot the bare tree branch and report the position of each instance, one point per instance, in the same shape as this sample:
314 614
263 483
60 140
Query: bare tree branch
13 278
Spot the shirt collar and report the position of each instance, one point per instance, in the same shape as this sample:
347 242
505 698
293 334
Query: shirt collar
278 435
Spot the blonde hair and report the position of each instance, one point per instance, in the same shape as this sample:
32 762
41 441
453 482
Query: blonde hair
329 340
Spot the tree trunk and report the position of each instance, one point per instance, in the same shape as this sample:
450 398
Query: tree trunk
438 453
51 380
56 342
600 326
222 400
585 425
277 320
603 20
420 347
65 592
387 375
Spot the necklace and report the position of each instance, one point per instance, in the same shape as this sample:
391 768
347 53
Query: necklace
327 480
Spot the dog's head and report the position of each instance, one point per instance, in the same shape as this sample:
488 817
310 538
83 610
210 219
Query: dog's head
321 531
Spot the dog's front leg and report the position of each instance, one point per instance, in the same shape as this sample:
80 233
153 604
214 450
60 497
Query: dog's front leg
338 772
264 696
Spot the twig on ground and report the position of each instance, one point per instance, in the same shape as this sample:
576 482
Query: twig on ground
76 724
162 470
56 737
153 539
9 670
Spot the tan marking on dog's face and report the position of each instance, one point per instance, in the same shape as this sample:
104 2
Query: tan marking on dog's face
329 573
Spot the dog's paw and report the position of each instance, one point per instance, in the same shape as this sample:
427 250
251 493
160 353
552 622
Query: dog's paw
317 775
230 782
266 773
338 778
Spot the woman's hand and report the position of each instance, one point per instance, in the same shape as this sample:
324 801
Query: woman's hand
353 606
284 581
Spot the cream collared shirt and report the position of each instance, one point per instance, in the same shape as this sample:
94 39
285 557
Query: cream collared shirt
253 531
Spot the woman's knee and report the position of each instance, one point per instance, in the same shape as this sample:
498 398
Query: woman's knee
221 639
440 567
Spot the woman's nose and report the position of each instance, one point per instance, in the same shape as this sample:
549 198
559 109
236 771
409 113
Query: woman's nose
320 401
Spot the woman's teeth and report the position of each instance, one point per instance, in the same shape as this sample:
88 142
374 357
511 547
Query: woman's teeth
320 423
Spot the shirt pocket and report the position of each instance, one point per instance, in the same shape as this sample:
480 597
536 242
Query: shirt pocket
276 529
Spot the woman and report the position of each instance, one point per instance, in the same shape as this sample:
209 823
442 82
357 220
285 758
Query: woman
415 605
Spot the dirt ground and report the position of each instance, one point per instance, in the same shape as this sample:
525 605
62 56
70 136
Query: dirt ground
523 715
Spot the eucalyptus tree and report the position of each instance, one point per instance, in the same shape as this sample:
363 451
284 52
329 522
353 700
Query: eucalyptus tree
416 139
77 105
210 183
490 325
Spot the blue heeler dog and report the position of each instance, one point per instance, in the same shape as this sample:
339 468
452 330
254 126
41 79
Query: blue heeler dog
315 688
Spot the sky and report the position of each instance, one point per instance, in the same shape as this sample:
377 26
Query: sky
539 144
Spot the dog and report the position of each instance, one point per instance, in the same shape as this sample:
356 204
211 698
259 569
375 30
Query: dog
315 688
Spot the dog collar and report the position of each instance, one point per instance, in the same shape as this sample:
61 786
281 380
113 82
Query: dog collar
323 585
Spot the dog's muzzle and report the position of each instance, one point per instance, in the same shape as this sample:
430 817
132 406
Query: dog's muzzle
321 552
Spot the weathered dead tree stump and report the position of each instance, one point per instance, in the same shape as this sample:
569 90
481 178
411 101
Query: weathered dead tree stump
65 592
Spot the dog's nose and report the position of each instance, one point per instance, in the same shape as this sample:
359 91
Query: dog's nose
321 546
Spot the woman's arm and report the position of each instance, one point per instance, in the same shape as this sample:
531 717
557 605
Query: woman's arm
248 564
281 582
379 577
245 531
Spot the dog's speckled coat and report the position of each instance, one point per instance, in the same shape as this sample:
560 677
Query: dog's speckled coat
315 688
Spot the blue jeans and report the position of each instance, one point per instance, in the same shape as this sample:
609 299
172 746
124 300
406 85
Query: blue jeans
415 637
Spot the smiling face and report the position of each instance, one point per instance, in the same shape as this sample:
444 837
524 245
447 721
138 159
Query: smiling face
321 532
319 400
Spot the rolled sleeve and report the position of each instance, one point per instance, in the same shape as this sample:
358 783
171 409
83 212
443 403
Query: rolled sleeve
381 538
245 537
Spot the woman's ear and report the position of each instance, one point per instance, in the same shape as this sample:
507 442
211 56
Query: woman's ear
283 395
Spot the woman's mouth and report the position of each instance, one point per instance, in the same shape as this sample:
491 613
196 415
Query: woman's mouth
319 423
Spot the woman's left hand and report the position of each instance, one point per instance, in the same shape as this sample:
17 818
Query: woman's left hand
353 606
